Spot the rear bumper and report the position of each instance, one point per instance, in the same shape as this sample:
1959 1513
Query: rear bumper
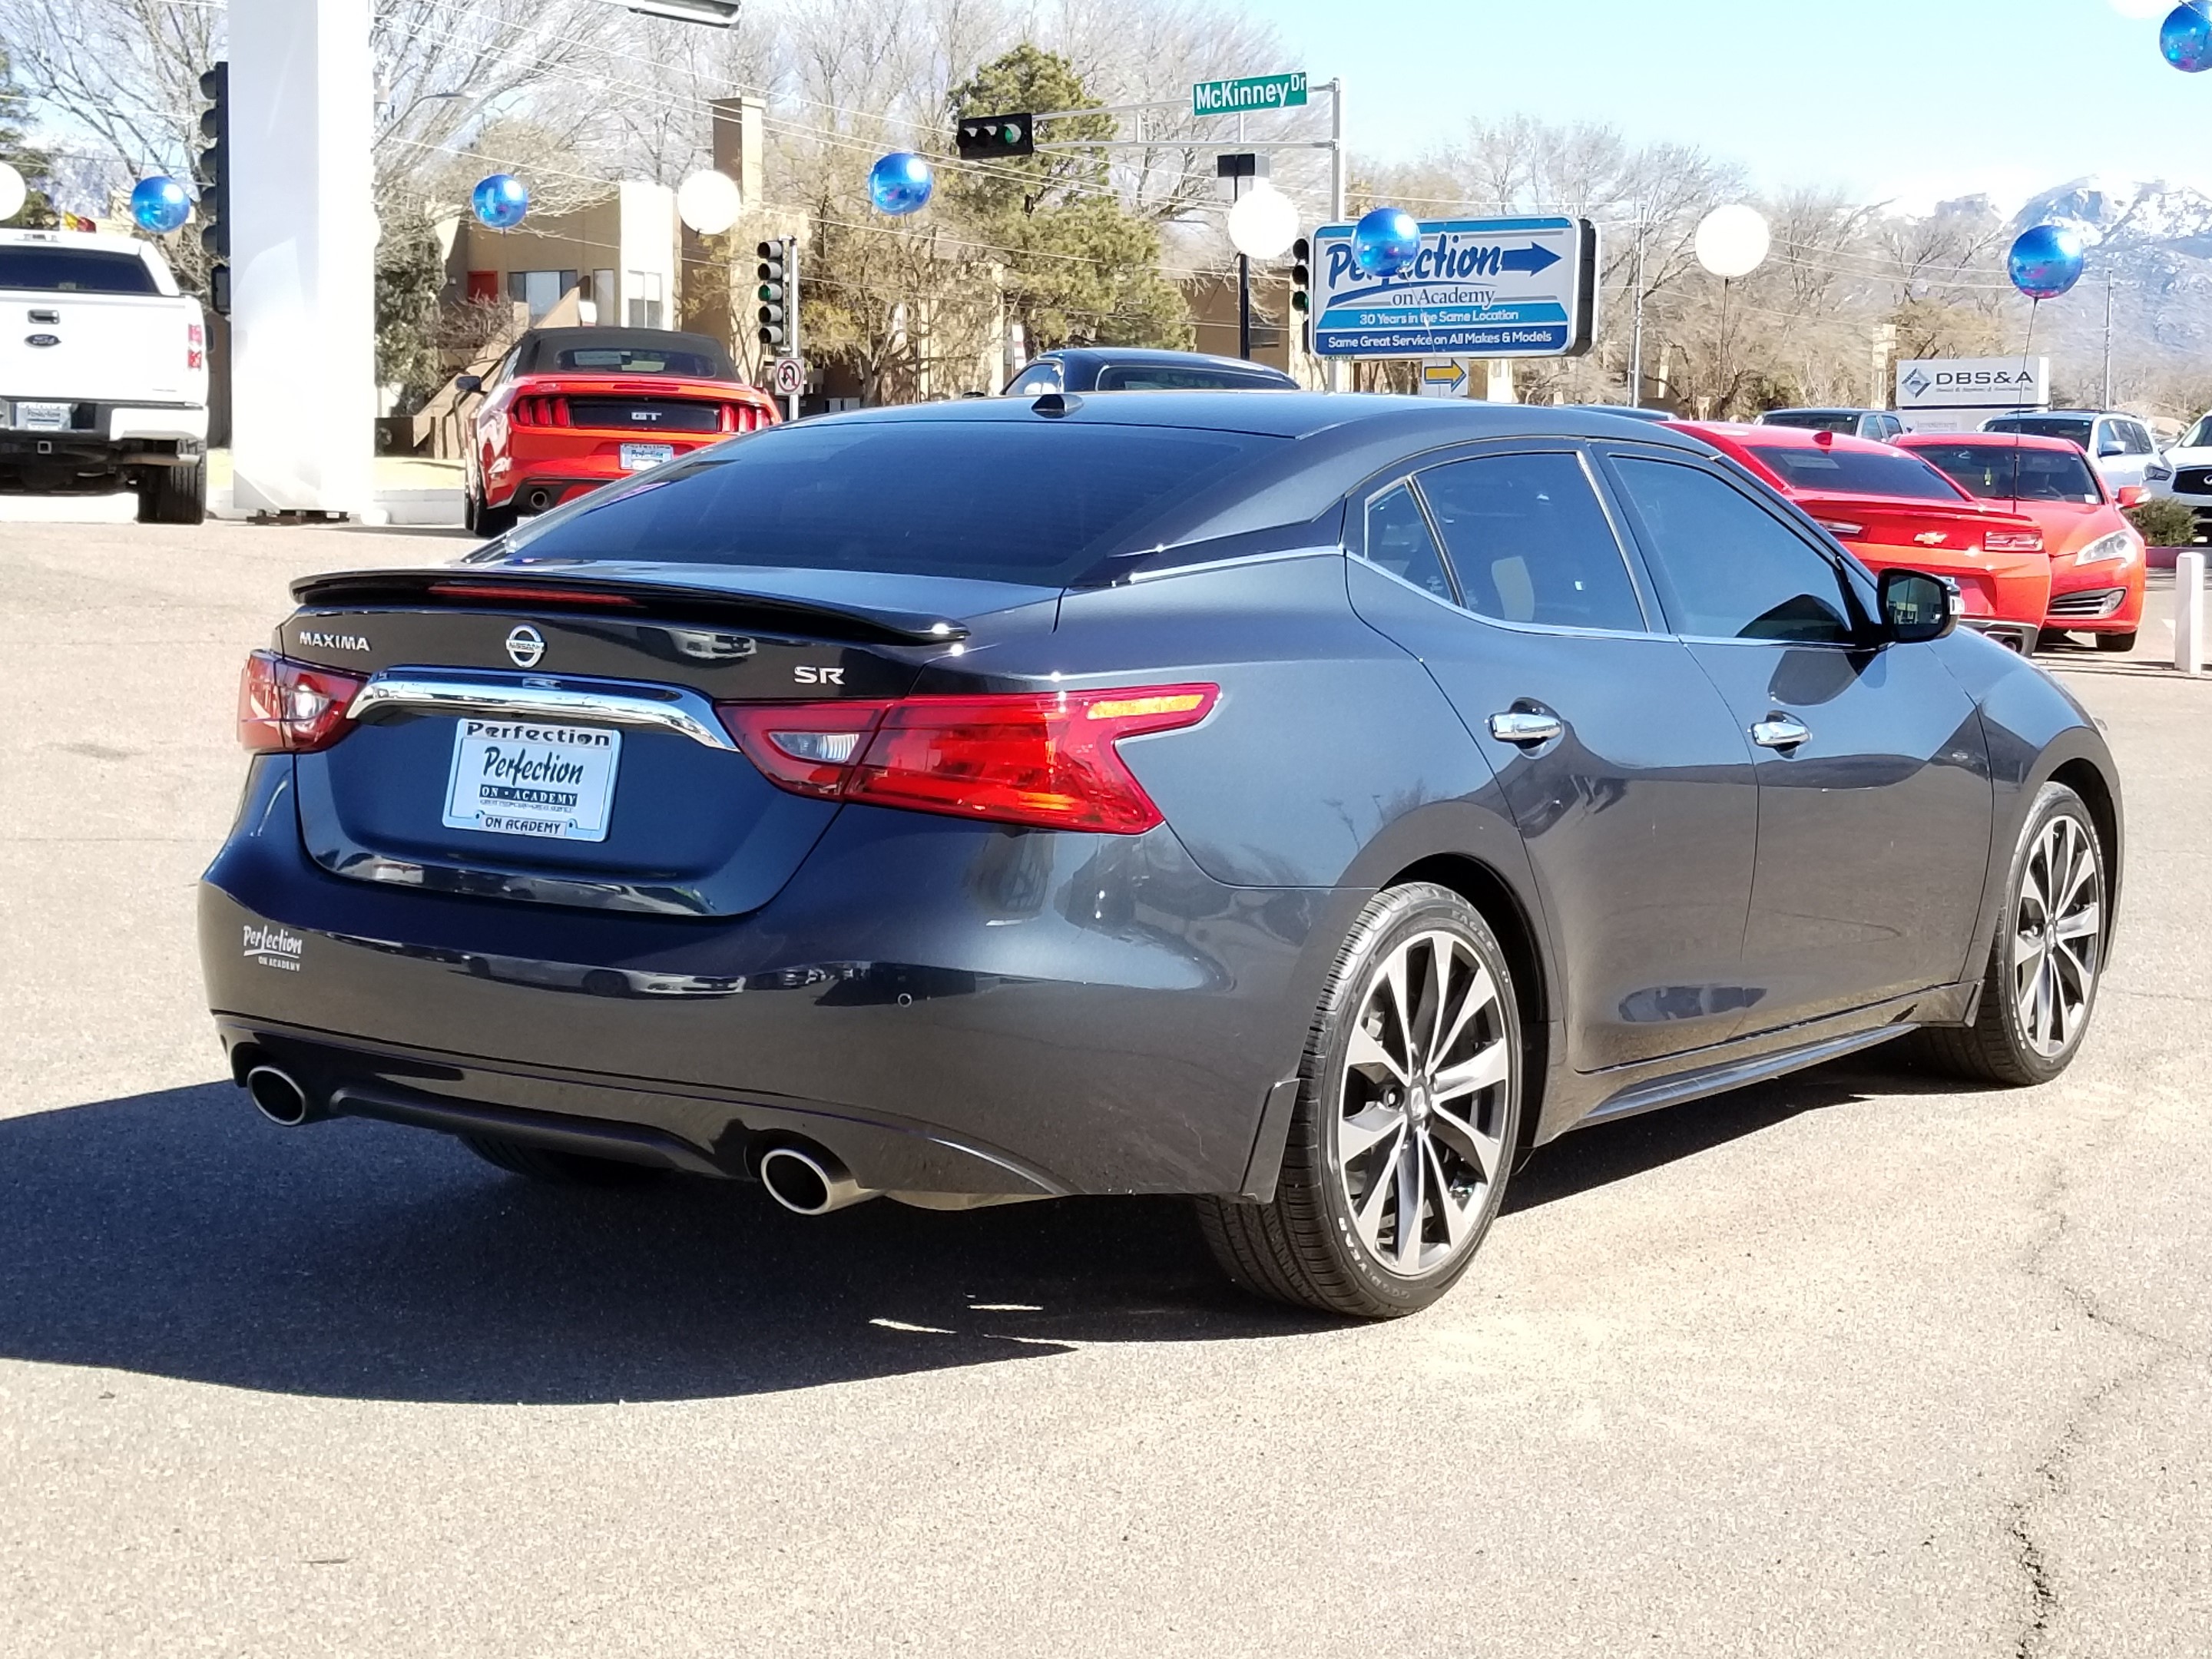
2013 636
946 1007
58 462
572 467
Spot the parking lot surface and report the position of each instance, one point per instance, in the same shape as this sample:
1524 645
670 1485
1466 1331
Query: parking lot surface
1861 1362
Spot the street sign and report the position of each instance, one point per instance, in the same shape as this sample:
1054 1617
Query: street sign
790 377
1446 377
1478 287
1251 95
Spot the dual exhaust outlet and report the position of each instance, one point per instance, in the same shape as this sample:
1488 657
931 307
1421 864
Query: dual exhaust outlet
803 1181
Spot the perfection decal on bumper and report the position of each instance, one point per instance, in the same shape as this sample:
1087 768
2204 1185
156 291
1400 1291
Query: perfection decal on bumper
273 947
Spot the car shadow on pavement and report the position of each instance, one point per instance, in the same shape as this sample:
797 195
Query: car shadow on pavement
177 1234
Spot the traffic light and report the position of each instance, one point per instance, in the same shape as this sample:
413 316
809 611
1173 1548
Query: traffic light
211 169
1302 278
774 294
989 137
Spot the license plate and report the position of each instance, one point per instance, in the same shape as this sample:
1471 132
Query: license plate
636 458
527 778
43 417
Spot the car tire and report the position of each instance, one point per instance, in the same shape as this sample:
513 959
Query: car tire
2040 989
175 494
557 1168
1372 1132
2117 641
485 519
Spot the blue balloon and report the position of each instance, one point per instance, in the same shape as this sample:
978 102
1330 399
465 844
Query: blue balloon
900 183
2185 40
2046 261
1386 242
500 200
160 205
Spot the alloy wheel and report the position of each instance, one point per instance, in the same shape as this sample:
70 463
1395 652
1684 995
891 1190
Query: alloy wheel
1419 1132
2057 927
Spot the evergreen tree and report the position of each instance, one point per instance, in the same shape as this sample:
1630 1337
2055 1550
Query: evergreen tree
36 212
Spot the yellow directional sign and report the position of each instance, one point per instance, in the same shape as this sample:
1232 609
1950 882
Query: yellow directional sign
1446 377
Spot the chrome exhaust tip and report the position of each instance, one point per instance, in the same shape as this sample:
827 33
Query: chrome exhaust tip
809 1183
538 499
278 1096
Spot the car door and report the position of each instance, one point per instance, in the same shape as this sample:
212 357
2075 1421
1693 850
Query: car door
1874 801
1630 781
2120 458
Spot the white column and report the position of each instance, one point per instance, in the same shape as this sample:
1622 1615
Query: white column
2189 613
303 242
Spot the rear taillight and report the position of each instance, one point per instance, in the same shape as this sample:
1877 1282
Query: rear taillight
289 708
1047 759
539 411
2012 541
195 345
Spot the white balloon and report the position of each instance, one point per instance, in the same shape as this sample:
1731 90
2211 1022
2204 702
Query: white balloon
1264 222
13 193
1732 240
709 203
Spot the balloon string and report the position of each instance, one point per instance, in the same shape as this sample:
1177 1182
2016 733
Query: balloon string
2028 345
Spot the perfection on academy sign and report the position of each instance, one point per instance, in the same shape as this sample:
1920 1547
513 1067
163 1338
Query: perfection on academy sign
1974 383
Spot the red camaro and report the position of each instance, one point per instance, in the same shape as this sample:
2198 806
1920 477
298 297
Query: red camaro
570 409
2096 555
1893 509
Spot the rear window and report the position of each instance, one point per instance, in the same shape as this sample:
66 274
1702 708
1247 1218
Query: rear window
74 271
1145 377
1853 472
1037 502
2043 426
2009 472
1815 420
639 359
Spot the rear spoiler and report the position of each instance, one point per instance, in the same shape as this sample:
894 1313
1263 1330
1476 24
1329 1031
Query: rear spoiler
458 587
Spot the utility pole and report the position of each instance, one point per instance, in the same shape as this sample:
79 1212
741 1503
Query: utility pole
1336 190
2107 403
1636 329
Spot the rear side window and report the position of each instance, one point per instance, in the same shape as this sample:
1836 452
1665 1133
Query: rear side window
1854 472
74 271
1045 378
1028 500
1729 568
1815 420
1399 542
1530 543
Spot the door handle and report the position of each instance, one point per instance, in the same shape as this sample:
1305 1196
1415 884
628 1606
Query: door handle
1780 732
1523 726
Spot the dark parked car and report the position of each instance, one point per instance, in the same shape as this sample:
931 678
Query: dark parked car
1877 424
1133 368
1305 803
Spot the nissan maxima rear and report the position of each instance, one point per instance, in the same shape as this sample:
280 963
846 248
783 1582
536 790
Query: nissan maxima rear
1304 804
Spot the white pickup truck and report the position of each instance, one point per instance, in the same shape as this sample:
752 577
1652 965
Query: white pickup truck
103 373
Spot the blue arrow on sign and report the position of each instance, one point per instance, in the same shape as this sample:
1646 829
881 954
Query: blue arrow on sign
1532 259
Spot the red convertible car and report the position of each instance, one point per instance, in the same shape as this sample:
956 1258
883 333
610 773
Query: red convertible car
570 409
2096 555
1895 510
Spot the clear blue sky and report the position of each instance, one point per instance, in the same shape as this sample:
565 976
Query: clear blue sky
1910 99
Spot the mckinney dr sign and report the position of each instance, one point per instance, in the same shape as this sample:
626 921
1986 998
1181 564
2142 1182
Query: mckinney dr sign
1996 383
1253 92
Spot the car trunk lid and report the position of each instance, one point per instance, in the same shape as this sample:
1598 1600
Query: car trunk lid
551 737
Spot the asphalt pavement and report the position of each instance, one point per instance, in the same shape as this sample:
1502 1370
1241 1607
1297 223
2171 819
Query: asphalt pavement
1858 1363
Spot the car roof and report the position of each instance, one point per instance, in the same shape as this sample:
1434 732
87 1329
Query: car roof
1157 354
2017 440
2065 415
1785 437
99 242
1823 409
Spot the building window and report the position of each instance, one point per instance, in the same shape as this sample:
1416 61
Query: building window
483 285
541 290
645 299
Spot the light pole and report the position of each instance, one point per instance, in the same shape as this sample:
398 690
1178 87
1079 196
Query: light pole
1263 223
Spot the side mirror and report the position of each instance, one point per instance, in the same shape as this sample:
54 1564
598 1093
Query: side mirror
2131 495
2111 446
468 383
1917 607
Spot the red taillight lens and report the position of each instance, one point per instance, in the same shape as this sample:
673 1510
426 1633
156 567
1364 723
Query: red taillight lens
1047 759
289 708
2013 541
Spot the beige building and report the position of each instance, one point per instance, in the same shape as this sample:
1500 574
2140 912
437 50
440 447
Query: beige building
619 255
